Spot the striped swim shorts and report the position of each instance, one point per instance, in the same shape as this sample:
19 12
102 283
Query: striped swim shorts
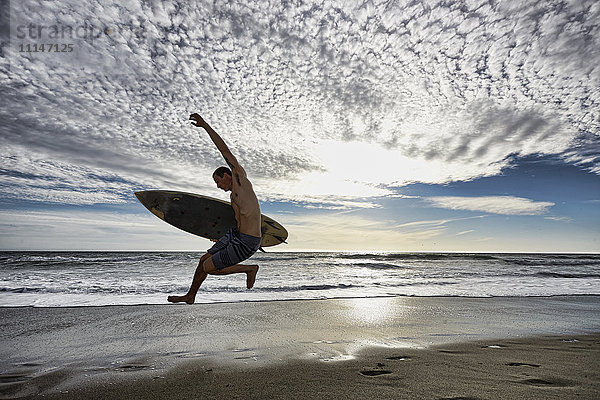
233 248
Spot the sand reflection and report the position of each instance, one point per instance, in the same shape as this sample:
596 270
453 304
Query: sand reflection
374 311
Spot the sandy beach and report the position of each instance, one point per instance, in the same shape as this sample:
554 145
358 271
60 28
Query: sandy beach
385 348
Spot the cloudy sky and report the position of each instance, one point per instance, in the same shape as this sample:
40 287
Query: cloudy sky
363 125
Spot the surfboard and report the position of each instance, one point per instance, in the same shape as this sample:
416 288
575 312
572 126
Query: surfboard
204 216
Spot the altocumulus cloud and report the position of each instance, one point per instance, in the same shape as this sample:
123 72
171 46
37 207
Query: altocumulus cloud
309 95
509 205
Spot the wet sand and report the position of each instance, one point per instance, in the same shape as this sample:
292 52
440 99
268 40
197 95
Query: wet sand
386 348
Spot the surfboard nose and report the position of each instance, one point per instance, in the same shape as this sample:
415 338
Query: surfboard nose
142 196
147 198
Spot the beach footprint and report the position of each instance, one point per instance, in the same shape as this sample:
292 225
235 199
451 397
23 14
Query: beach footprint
133 366
456 352
399 358
375 371
545 382
520 364
460 398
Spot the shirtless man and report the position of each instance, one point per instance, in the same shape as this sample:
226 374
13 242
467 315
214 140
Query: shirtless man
240 242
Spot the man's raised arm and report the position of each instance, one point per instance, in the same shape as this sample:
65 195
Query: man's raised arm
233 163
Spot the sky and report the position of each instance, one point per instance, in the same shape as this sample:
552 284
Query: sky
437 126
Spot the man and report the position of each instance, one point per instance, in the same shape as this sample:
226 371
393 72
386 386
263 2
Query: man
240 242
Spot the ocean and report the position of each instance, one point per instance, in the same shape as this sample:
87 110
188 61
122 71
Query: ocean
66 279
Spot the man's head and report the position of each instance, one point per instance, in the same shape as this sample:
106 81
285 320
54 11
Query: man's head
222 177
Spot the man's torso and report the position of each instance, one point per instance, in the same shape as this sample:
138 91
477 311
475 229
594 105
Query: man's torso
245 206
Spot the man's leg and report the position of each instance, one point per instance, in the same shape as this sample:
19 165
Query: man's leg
199 277
249 270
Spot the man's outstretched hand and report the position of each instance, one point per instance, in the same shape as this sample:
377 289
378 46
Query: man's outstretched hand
197 120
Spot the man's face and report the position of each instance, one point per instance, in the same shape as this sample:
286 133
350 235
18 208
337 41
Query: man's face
224 182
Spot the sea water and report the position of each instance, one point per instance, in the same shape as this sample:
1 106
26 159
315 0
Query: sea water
62 279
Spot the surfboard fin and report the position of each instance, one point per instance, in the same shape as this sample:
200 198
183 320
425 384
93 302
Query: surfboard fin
282 240
272 224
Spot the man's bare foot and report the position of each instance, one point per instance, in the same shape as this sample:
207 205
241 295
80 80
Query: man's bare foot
251 276
181 299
